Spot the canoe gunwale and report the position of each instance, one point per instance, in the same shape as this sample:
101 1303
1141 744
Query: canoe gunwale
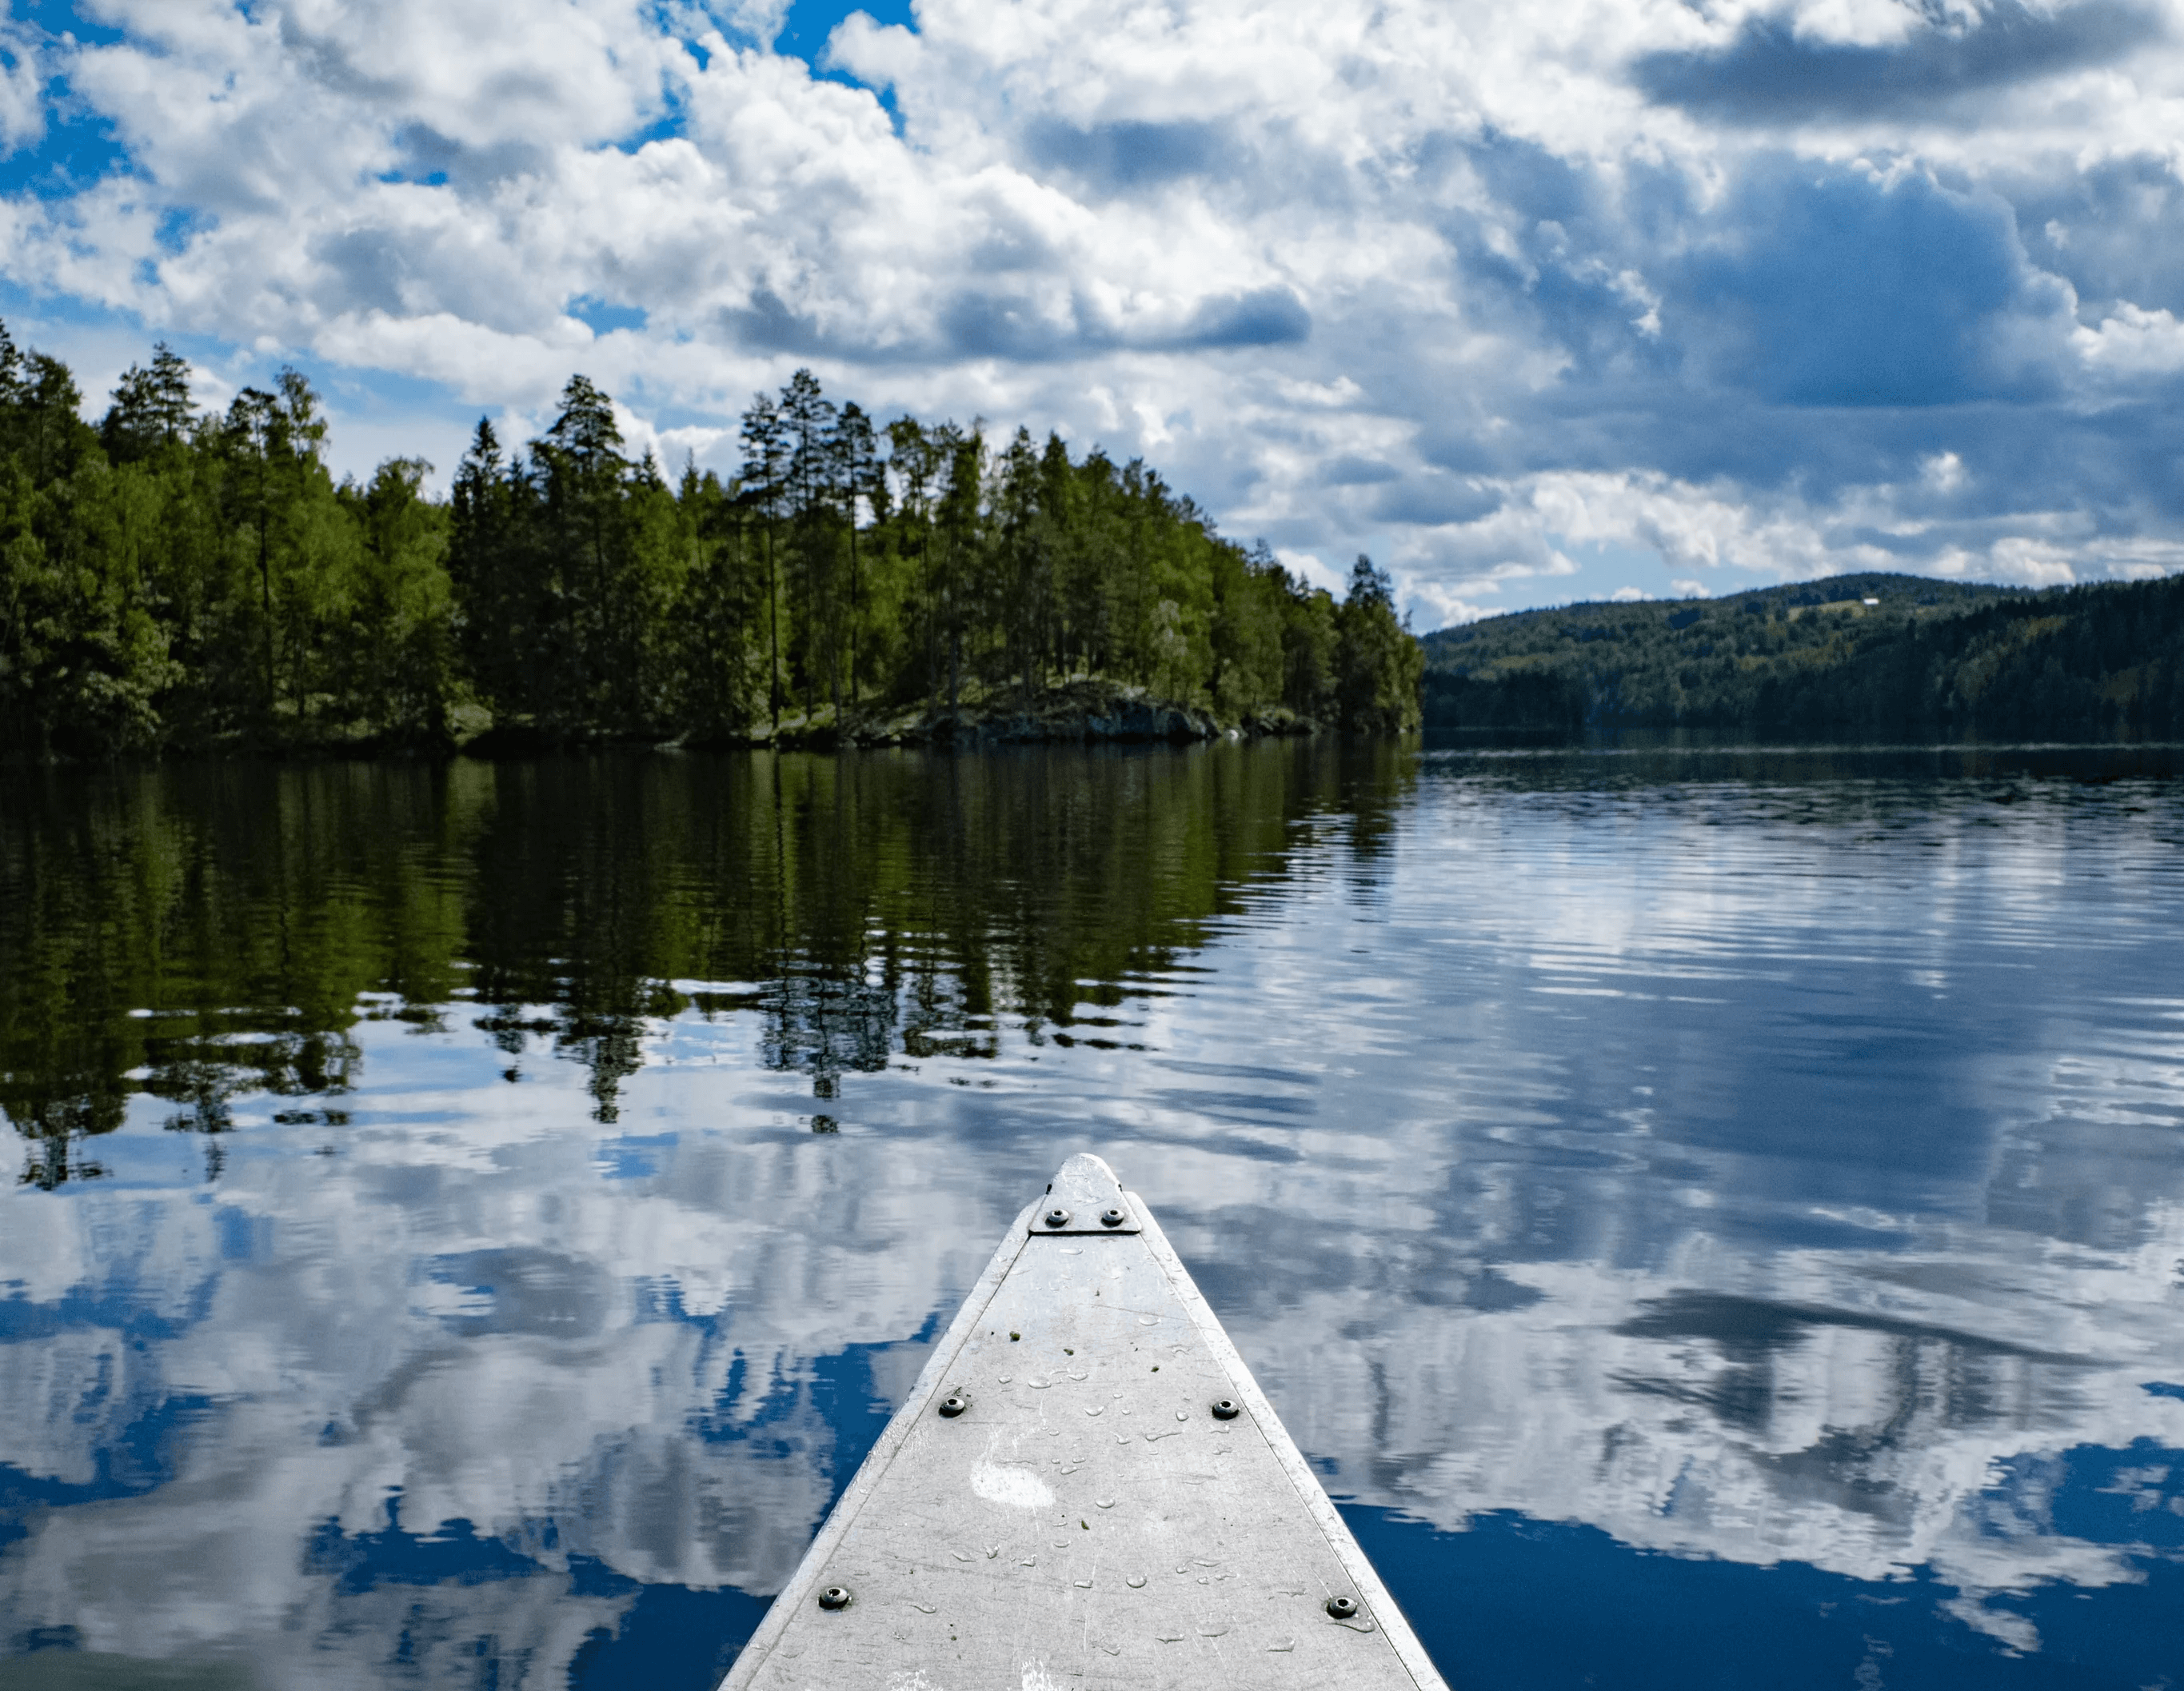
877 1459
1375 1598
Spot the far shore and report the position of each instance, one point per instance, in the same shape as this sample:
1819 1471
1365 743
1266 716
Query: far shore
1081 711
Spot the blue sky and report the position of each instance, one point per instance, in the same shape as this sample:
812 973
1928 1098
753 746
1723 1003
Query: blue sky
1570 300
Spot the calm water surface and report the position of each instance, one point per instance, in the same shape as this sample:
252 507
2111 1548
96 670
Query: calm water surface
1714 1218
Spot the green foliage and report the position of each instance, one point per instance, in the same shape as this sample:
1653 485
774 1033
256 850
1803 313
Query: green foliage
151 411
1378 664
1867 656
397 665
178 577
83 657
826 584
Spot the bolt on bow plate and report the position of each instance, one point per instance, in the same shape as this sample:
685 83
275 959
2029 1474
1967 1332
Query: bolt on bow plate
1085 1198
1070 1508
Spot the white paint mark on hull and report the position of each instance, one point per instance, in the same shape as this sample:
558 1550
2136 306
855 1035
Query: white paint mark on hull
1012 1487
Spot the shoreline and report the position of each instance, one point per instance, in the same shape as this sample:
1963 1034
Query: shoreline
1075 714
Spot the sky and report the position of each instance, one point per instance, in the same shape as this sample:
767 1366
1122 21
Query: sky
1575 299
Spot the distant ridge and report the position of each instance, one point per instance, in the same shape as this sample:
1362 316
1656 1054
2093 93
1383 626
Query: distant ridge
1868 656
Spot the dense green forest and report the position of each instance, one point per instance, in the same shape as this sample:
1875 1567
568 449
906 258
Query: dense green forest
179 577
1866 656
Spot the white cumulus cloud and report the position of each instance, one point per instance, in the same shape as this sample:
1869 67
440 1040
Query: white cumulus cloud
1464 285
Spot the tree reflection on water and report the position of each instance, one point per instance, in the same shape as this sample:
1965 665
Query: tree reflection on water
1716 1208
199 933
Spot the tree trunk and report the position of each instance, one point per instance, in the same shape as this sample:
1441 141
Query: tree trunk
853 605
773 624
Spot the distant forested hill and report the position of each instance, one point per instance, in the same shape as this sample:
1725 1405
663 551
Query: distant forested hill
179 577
1863 657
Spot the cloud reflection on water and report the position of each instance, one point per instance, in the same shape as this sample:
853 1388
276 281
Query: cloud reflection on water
1755 1161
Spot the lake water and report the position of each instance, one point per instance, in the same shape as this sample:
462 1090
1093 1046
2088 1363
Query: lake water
1712 1218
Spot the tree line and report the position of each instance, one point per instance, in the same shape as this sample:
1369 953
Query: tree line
1872 656
189 578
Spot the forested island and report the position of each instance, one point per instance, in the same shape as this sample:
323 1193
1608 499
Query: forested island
183 578
1868 657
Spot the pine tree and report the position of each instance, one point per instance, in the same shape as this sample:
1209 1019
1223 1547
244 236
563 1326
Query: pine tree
913 460
765 482
858 478
271 442
582 477
808 424
152 409
1377 665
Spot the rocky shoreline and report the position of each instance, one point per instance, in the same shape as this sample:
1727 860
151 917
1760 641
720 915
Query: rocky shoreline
1081 713
1064 716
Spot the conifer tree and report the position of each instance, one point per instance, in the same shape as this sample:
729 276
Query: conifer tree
808 421
497 614
858 478
765 482
152 408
